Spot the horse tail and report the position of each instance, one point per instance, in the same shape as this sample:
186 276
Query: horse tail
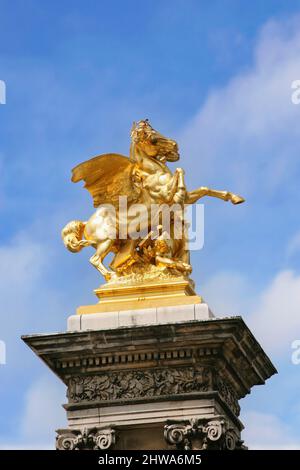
72 235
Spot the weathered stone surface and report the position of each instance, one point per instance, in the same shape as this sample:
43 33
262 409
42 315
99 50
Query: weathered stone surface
152 383
87 439
226 344
136 378
139 384
148 412
202 434
148 316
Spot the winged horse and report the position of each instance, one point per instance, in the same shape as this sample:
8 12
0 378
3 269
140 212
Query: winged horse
143 178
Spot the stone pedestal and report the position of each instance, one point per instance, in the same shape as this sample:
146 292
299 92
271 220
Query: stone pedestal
160 378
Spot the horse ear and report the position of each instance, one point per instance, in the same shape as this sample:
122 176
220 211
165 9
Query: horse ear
133 126
147 122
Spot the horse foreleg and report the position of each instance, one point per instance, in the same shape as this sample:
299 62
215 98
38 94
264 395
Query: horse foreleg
172 188
180 195
193 196
96 260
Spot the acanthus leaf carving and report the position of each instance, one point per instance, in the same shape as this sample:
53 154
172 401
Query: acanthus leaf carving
138 384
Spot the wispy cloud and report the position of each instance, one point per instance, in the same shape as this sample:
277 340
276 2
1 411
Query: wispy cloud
252 119
42 415
272 312
266 432
276 318
293 246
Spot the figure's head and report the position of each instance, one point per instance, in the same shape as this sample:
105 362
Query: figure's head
153 143
161 246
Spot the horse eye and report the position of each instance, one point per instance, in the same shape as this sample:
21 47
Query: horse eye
153 140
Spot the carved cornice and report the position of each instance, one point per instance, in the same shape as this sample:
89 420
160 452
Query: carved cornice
211 343
86 439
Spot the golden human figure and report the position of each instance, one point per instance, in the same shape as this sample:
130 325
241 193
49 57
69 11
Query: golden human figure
145 181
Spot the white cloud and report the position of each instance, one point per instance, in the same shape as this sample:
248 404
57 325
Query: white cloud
27 299
251 124
31 297
43 411
251 120
43 414
273 313
276 320
29 303
227 293
21 263
26 446
266 431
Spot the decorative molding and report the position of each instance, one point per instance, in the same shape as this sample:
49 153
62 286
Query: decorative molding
86 439
222 342
134 358
150 383
134 384
227 393
201 434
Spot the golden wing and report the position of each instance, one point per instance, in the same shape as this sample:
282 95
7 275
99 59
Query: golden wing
106 178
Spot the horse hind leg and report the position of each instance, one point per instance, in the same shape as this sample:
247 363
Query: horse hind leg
96 260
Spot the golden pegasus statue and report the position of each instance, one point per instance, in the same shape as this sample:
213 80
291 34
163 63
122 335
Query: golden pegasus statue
142 249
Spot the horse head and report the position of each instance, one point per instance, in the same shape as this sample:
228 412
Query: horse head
152 143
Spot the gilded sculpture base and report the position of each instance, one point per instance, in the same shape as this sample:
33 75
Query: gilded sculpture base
135 296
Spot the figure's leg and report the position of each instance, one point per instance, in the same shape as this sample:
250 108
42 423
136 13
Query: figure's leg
165 250
173 263
102 250
181 251
193 196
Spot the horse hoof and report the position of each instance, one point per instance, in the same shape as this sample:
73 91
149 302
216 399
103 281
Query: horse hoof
108 276
237 199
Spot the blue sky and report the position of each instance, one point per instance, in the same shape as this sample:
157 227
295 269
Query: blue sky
216 76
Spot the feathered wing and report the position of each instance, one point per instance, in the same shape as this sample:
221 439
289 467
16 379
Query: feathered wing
106 178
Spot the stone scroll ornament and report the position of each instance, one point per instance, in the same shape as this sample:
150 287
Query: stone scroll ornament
202 434
143 179
86 439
